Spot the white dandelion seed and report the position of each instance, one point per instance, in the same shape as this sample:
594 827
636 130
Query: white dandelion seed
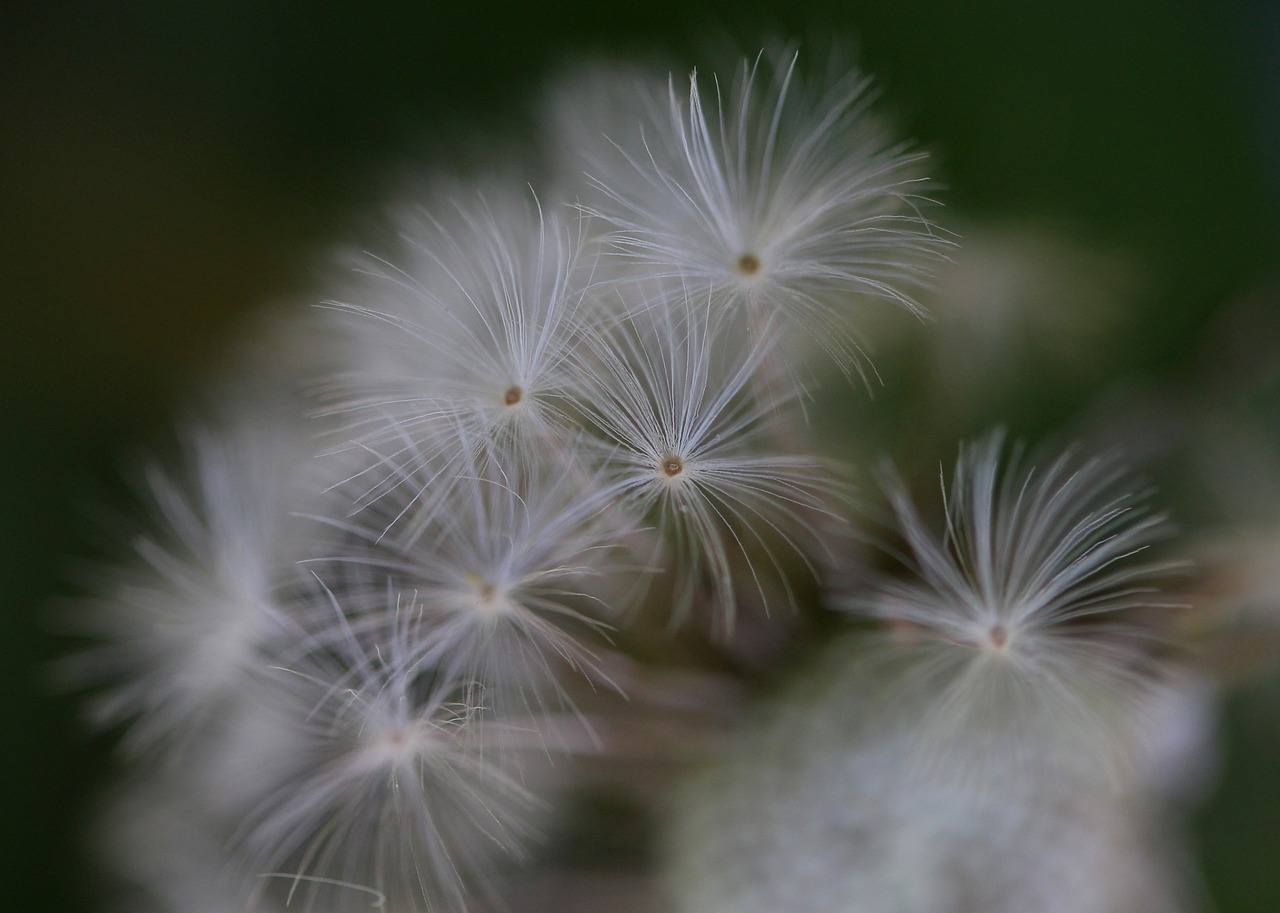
401 793
471 327
183 628
1038 603
500 569
771 196
687 433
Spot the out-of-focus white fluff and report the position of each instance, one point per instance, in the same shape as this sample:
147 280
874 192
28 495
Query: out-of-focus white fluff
400 790
184 627
828 808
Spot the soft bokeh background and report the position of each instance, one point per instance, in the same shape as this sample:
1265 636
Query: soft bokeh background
166 168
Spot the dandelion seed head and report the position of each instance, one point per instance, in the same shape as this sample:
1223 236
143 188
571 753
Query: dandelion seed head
402 785
183 626
468 328
685 444
488 600
496 557
768 195
404 744
672 465
1029 556
1037 601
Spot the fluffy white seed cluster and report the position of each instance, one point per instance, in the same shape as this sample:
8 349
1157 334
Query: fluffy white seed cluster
999 747
402 568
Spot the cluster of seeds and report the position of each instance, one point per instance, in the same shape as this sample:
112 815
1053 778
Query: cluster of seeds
404 568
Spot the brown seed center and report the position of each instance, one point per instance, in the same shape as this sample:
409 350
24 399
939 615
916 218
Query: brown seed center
672 465
513 396
998 636
748 264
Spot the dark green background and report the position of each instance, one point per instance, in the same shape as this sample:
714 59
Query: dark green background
167 167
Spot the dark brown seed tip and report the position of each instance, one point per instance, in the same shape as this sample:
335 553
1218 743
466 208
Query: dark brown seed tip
748 264
512 396
672 465
999 637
